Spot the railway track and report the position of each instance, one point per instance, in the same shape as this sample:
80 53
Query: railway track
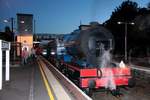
141 91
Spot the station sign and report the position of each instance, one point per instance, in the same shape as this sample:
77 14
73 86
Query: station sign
5 45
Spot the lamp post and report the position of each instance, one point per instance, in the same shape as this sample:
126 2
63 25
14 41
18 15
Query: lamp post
125 37
34 30
12 29
11 20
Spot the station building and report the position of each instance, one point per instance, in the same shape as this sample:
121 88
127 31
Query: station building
25 32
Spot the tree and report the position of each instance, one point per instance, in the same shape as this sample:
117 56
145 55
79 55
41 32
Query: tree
8 35
7 29
126 12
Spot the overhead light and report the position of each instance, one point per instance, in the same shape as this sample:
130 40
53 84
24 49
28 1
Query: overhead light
5 21
132 23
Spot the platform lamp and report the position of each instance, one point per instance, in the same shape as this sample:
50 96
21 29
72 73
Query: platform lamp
125 37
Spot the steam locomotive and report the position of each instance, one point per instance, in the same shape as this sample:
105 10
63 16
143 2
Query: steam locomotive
85 57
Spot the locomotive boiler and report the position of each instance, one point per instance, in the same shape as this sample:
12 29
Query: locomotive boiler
89 44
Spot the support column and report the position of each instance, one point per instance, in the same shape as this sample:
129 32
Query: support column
7 71
1 68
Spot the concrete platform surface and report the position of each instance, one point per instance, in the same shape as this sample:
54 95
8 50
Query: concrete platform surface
25 84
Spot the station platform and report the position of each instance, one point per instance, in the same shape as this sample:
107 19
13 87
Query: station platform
38 80
25 83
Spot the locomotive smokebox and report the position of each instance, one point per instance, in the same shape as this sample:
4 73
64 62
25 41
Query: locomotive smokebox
89 42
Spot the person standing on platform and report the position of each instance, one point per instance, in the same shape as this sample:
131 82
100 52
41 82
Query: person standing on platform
33 53
25 55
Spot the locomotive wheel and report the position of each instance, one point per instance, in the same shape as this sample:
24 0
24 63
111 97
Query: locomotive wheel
131 83
65 70
57 64
88 91
116 92
91 84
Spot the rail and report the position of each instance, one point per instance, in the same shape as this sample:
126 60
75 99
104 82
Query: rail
140 68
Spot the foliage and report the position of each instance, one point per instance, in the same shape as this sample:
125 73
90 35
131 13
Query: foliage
7 35
129 12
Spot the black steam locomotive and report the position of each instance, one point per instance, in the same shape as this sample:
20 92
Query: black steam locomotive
84 56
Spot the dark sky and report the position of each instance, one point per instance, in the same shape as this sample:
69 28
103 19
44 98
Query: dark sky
60 16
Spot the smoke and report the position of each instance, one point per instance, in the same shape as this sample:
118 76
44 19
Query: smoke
105 59
107 70
8 5
110 83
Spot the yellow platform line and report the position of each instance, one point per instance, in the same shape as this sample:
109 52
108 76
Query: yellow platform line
51 97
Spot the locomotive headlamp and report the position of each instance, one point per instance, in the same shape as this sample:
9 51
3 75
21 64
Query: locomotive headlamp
52 53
